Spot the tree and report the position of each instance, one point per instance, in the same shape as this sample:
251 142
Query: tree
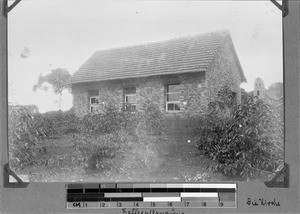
57 79
276 90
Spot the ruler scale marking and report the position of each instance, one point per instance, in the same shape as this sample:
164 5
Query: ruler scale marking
153 195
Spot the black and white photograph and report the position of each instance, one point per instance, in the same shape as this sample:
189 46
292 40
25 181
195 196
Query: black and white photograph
145 91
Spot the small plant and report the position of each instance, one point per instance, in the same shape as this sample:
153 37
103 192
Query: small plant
199 177
98 151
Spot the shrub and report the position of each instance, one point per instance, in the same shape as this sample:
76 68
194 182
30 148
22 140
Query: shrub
245 142
130 120
102 123
112 120
24 132
152 118
59 122
98 151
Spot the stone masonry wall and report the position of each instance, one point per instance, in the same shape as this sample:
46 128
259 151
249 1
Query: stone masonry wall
80 100
149 88
223 71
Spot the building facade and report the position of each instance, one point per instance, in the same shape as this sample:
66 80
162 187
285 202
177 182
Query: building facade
181 75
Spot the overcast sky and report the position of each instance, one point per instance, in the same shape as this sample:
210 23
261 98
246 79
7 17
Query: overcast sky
64 34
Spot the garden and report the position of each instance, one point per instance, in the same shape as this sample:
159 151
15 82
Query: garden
231 142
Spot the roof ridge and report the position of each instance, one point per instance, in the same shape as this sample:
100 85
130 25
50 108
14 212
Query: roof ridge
223 32
226 34
178 55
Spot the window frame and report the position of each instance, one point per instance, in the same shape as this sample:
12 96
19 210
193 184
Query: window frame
130 104
172 102
93 105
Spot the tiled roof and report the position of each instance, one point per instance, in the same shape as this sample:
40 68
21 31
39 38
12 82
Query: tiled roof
182 55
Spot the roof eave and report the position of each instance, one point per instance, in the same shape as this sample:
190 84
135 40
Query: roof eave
141 76
243 78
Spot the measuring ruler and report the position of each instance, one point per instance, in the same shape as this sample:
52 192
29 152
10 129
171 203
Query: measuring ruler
153 195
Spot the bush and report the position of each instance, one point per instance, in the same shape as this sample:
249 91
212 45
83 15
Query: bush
112 120
24 132
152 118
27 129
98 137
130 120
98 151
59 122
102 123
106 139
245 142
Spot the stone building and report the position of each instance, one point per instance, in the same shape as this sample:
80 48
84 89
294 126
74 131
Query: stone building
179 75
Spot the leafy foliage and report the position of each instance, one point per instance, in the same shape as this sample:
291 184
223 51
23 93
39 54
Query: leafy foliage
276 90
101 141
112 120
245 140
96 151
24 132
59 122
57 79
102 123
153 118
28 130
244 95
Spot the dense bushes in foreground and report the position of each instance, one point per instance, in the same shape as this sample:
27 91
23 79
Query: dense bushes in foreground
112 133
97 138
244 140
24 133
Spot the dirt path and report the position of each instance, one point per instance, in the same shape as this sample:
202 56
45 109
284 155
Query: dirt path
180 161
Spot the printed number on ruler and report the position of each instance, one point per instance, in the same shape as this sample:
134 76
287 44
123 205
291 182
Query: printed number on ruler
79 204
103 204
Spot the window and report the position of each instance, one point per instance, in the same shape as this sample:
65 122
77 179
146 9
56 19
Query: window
94 101
234 98
257 93
130 98
173 98
94 104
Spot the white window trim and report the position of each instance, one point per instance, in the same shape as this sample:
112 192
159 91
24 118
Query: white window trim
172 102
130 95
95 105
